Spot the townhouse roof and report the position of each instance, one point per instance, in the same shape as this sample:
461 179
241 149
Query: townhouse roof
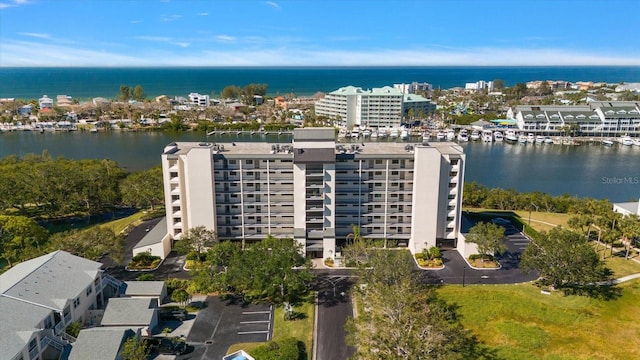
100 343
144 288
129 312
613 112
414 98
352 90
18 321
49 280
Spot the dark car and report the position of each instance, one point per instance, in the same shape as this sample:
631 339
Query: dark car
173 314
166 345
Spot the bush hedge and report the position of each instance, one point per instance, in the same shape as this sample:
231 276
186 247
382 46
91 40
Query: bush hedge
285 349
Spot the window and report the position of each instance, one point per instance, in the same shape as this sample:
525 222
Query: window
378 162
395 161
249 162
76 302
32 344
89 290
173 174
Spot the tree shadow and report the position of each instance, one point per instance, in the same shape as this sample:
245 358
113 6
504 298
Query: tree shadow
602 292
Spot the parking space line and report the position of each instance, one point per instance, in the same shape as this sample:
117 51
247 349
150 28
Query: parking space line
254 322
519 244
252 332
255 312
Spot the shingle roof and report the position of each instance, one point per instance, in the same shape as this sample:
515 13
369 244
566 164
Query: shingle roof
49 280
144 288
155 235
99 343
18 321
129 312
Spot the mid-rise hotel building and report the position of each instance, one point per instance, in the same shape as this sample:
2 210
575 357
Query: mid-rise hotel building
315 190
376 108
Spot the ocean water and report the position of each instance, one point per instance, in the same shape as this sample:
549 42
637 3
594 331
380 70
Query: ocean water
83 83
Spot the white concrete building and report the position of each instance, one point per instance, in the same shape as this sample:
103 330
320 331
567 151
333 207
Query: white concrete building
199 100
628 208
45 102
479 85
315 191
413 87
376 108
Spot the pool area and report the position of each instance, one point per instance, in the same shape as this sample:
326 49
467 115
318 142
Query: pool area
238 355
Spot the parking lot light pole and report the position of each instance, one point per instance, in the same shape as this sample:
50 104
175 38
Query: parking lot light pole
464 272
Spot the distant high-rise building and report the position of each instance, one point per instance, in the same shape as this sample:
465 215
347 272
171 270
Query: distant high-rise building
199 100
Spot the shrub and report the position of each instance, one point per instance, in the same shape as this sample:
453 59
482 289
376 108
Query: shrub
145 277
193 255
73 329
285 349
329 261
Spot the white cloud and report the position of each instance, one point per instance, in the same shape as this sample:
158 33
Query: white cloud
135 21
154 38
34 53
13 3
272 4
227 38
202 14
168 18
36 35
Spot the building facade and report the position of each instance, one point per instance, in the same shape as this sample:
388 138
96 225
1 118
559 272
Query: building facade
376 108
316 191
199 100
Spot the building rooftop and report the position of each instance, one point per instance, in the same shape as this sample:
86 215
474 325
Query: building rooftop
129 312
155 235
100 343
144 288
18 322
49 280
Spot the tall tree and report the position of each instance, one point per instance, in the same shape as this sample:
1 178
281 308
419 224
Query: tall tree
138 93
134 349
198 239
21 238
564 258
143 189
91 243
488 237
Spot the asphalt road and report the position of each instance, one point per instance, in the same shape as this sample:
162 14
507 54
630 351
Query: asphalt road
334 307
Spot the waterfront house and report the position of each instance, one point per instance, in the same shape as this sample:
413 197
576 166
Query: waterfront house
45 102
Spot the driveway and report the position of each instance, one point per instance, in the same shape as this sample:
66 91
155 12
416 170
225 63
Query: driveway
223 323
333 309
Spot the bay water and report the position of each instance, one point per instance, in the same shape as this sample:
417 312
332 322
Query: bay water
588 170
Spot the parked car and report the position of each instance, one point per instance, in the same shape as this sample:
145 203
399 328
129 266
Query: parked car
173 314
166 345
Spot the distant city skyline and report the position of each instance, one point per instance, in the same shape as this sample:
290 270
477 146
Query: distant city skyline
318 33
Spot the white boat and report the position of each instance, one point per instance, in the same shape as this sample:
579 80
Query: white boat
382 133
636 142
463 136
342 133
522 139
548 140
366 133
426 135
487 136
451 135
511 136
355 133
441 135
497 136
539 139
374 134
626 140
404 134
394 133
607 142
475 135
531 138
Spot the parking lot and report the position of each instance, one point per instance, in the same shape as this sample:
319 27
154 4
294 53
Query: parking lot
222 323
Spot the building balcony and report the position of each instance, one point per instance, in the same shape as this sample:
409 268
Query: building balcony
174 180
176 203
175 191
177 225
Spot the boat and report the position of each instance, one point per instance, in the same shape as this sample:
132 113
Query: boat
511 136
441 135
463 136
382 133
355 133
394 133
626 140
607 142
404 134
497 136
522 139
539 139
426 135
374 134
366 133
342 133
548 140
450 135
487 136
636 142
531 138
93 130
475 135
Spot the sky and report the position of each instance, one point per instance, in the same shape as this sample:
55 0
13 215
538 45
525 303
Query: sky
318 33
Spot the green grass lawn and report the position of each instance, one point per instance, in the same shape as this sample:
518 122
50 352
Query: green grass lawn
521 323
302 329
618 264
119 225
546 217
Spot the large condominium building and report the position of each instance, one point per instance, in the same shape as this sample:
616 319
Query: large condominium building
607 118
414 87
315 191
379 107
199 100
